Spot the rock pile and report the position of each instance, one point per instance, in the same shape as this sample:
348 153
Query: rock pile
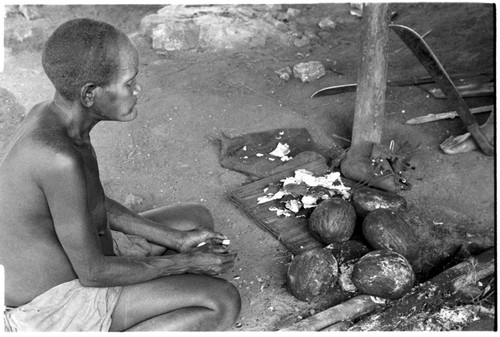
11 114
181 27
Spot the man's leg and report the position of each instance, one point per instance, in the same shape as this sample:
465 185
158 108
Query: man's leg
465 142
182 217
177 303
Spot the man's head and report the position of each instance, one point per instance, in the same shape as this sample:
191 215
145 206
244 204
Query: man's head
81 51
94 63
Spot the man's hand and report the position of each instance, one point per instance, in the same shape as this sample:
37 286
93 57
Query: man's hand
209 257
192 239
216 246
202 261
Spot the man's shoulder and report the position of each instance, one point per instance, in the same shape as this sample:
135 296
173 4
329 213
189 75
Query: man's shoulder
56 151
46 148
43 142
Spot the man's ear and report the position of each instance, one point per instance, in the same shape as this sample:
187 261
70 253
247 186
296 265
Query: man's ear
87 94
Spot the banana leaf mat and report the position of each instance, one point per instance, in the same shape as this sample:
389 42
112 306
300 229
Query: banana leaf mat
292 232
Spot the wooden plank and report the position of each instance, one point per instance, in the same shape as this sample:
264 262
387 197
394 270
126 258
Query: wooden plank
291 232
347 311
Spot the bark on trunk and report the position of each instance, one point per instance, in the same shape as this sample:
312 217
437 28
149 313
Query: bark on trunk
372 75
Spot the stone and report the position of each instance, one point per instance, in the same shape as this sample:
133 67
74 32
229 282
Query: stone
311 34
28 11
279 25
149 22
11 114
324 35
176 35
132 201
289 15
284 73
282 16
292 13
301 42
356 9
216 27
310 71
326 24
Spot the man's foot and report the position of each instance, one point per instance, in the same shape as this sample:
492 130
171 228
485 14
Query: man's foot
358 166
466 143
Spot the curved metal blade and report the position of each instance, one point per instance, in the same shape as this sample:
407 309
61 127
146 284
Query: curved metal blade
431 63
335 89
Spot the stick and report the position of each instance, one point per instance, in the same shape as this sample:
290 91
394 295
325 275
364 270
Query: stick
468 90
2 292
476 274
339 326
349 310
447 115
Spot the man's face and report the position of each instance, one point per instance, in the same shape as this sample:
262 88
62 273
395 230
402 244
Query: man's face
117 101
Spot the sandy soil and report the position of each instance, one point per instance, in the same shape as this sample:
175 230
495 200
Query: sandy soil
167 155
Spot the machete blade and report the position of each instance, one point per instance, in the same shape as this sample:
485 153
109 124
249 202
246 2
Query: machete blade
351 87
431 63
335 89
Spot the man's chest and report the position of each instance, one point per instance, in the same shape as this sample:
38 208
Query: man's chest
95 192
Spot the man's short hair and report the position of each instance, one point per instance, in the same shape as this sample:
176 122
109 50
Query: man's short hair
81 51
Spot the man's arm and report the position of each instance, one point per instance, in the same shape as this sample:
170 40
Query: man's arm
122 219
65 187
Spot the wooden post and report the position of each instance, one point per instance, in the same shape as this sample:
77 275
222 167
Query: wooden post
2 36
347 311
372 75
2 294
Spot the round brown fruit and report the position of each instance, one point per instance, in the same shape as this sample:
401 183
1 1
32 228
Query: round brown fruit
368 199
386 229
333 221
312 274
383 273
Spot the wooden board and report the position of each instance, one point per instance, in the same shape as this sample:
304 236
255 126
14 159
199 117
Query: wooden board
290 231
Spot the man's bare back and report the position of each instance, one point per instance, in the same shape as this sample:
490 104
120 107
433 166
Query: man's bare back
56 220
42 151
41 264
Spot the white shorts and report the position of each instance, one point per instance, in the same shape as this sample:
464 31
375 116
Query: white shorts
66 307
72 307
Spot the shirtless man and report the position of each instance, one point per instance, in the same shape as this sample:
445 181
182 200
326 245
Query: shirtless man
56 243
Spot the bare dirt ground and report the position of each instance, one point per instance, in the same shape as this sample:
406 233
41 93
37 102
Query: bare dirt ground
167 155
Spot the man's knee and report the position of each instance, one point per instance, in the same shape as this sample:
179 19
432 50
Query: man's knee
204 215
226 303
201 216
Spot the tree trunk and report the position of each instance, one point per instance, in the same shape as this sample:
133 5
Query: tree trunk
372 75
